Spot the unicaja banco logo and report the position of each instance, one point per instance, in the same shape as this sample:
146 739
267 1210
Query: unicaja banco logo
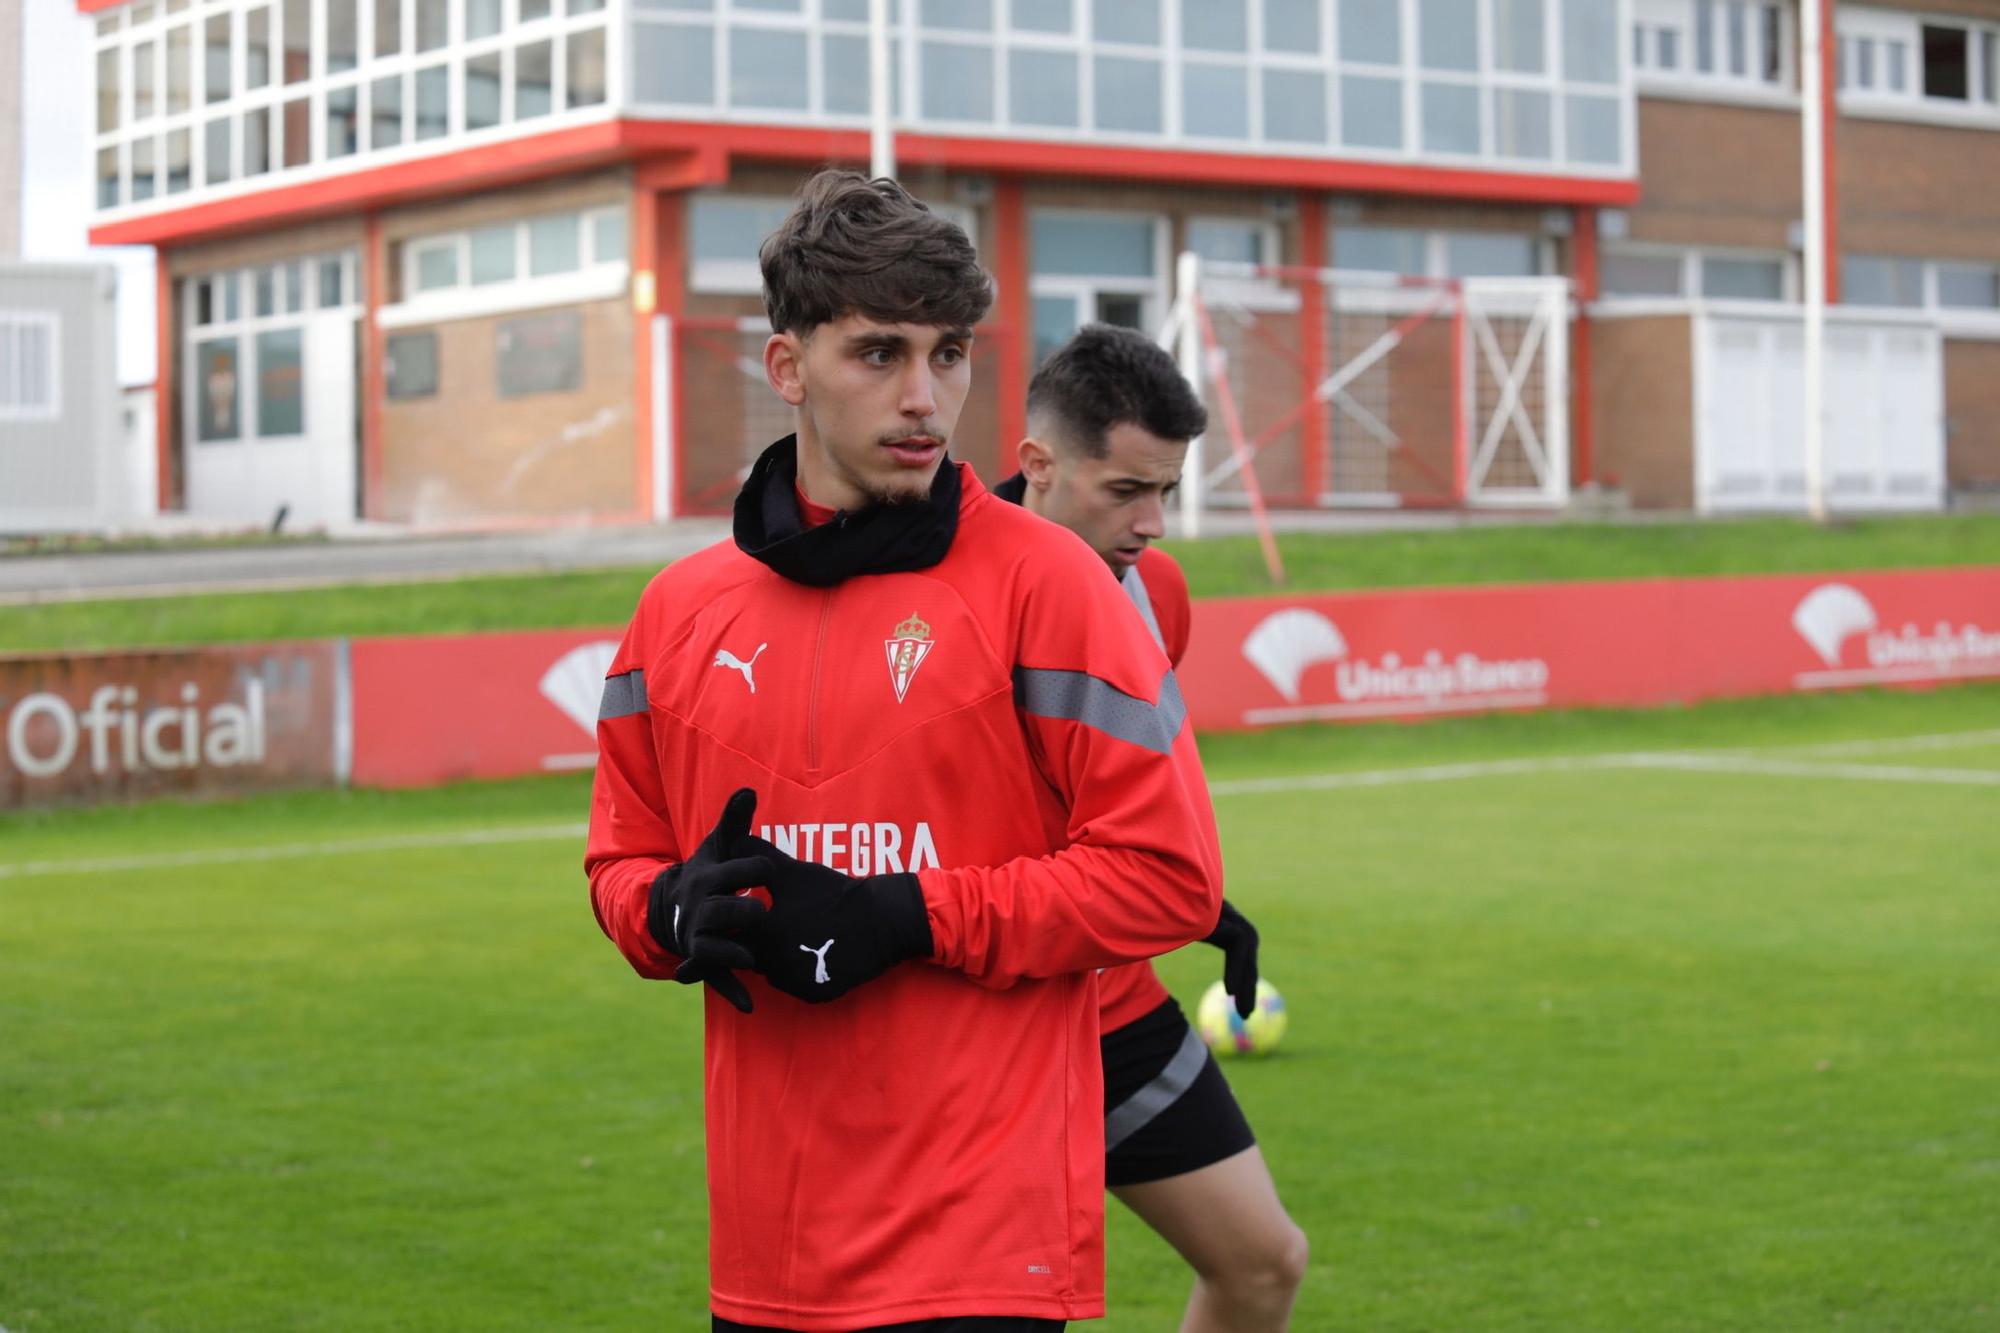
1831 615
1287 644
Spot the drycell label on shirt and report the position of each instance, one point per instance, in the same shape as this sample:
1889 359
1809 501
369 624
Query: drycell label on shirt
908 646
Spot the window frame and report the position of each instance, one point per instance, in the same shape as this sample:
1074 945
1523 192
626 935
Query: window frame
13 408
596 277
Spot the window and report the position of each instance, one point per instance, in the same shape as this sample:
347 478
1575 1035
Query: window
1968 286
589 245
388 27
1642 275
1729 278
1881 281
143 179
216 392
216 59
1413 252
435 265
343 120
1103 267
1947 62
297 40
412 366
246 378
281 401
724 232
1675 272
385 112
215 151
30 370
555 244
1714 44
482 92
433 101
583 56
1889 59
1230 240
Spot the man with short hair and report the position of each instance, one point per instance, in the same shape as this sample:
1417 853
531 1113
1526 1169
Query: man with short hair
1109 420
953 772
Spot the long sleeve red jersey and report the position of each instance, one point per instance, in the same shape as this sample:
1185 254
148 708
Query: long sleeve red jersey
1003 725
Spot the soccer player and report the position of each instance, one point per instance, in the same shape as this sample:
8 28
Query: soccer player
1109 420
953 766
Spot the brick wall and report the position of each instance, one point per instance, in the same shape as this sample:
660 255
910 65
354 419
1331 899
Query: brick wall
1642 408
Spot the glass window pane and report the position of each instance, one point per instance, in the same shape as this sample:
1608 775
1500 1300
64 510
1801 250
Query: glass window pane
433 24
607 236
1371 31
1127 94
388 27
1961 287
1448 34
1739 37
216 392
482 18
1486 254
385 112
215 148
676 63
534 80
330 283
1578 63
1126 21
555 244
256 141
293 279
180 164
963 15
585 6
849 11
957 81
1772 66
1291 25
1595 130
107 178
298 132
1704 35
433 101
264 293
107 89
1226 240
215 61
1042 88
144 57
343 117
1379 250
844 73
180 69
1295 106
1518 35
343 36
767 68
144 172
722 228
1743 279
232 295
281 398
482 91
298 40
1878 280
1947 62
493 254
583 58
257 48
1215 101
1097 247
1521 124
1042 16
437 266
1215 25
1641 275
1055 321
1371 112
1451 118
534 9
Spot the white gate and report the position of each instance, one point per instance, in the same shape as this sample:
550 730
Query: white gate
1517 389
1883 413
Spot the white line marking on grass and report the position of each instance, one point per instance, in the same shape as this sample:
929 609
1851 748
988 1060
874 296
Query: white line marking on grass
1792 768
105 865
1721 761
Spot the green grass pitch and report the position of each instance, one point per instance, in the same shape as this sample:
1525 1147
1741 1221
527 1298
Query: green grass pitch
1576 1044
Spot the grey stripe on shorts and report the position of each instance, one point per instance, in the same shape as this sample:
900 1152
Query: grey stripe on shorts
1133 1114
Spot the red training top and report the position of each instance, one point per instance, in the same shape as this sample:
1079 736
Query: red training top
932 1144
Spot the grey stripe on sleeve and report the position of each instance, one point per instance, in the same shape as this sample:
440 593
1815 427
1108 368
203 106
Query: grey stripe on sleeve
1077 696
1133 1114
623 696
1142 597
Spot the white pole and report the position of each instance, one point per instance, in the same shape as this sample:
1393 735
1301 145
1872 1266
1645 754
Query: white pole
881 129
1814 249
1187 284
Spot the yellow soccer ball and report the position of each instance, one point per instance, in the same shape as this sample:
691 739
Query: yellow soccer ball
1228 1033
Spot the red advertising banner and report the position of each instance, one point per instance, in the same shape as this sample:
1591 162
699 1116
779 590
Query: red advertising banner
433 709
1267 661
92 727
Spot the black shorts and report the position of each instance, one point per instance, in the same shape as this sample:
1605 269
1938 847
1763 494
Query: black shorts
1167 1108
965 1323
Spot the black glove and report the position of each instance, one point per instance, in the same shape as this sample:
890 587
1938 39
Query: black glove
1237 938
694 910
826 932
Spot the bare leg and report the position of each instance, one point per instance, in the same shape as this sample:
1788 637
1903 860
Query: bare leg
1226 1221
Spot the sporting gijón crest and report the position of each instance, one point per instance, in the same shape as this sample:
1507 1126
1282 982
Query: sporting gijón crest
908 646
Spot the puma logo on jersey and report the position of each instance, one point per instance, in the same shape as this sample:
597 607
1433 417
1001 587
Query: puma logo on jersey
725 658
820 977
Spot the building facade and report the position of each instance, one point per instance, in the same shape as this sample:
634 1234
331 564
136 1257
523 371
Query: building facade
491 262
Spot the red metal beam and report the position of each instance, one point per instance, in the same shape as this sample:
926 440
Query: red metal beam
1584 274
1312 342
704 148
374 357
163 381
1010 279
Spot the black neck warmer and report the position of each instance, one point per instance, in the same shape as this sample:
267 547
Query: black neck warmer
878 539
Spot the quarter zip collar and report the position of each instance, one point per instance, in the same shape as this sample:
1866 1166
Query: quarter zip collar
876 539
